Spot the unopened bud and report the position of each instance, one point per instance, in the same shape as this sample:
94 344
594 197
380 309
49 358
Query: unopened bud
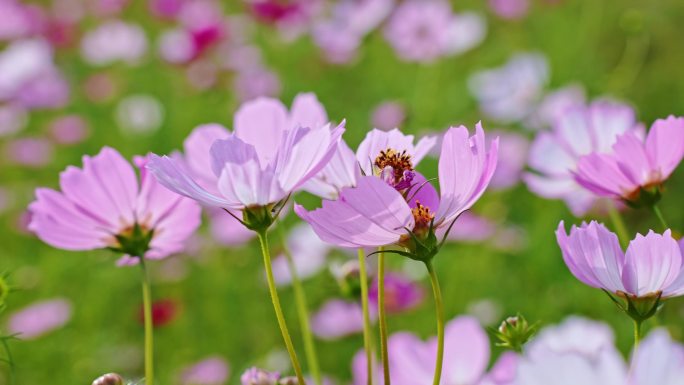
109 379
256 376
515 332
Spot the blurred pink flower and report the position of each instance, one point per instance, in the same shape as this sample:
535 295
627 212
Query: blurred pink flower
336 319
177 46
417 30
412 361
510 93
513 150
226 230
256 376
578 131
202 74
209 371
102 205
651 267
39 318
166 9
30 152
401 293
69 129
470 228
100 88
204 20
103 8
510 9
659 360
256 82
16 20
554 104
13 118
635 164
308 252
113 41
47 90
388 115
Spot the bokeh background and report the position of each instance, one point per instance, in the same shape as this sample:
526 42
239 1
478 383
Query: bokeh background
140 88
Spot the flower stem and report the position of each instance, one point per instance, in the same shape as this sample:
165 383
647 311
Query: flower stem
363 277
637 335
10 361
660 216
149 332
619 224
303 313
382 318
439 306
263 240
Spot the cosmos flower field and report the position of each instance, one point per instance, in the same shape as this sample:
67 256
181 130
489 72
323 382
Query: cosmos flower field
341 192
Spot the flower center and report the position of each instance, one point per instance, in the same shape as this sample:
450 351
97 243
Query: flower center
395 167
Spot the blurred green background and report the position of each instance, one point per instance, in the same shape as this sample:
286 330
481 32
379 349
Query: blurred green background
629 49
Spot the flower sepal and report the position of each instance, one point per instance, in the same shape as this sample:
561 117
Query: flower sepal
134 241
638 308
644 197
421 246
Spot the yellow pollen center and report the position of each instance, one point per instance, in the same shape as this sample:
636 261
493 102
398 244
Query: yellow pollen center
422 216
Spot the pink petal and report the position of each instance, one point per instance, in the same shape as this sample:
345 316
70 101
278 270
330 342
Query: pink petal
262 123
652 263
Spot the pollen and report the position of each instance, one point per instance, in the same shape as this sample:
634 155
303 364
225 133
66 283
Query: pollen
422 216
399 161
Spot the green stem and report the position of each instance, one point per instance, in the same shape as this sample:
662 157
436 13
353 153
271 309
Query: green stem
149 332
263 240
637 336
10 361
363 277
382 318
660 216
619 224
439 306
303 313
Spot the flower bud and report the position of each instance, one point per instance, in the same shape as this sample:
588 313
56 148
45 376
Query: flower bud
256 376
514 332
349 278
109 379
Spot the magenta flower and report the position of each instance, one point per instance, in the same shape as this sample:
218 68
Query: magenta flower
102 205
210 371
651 266
375 213
578 131
271 154
39 318
636 168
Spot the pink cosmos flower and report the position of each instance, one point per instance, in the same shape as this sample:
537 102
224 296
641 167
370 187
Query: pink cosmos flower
659 360
578 131
271 153
651 267
343 169
17 20
466 356
39 318
401 293
209 371
375 213
554 104
510 9
513 149
635 165
423 31
69 129
102 205
509 93
308 252
336 319
388 115
30 152
114 41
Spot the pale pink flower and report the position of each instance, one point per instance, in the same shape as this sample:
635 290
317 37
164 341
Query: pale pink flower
39 318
